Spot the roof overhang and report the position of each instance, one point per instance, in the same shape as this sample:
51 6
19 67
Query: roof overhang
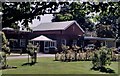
98 38
42 38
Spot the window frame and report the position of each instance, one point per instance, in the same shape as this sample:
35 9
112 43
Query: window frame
22 43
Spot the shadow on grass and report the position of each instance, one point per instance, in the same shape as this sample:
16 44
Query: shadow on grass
8 67
70 60
65 60
30 64
103 69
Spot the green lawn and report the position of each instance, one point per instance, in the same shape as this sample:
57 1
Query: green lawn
49 66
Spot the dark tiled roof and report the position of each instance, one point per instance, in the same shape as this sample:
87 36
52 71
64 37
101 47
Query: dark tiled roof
55 26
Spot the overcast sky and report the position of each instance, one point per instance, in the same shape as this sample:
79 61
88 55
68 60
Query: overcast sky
44 19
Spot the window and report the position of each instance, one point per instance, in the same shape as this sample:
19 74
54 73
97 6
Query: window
47 44
22 42
63 41
74 42
13 43
53 44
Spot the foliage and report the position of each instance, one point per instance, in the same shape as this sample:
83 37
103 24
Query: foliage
106 14
72 54
2 60
74 11
64 47
25 12
32 51
5 50
105 31
75 49
30 48
101 58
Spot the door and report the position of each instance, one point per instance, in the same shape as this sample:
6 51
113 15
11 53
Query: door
46 46
41 46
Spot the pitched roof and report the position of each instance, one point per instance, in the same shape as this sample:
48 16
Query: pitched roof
41 38
55 26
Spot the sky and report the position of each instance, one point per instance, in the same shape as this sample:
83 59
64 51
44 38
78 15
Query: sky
44 19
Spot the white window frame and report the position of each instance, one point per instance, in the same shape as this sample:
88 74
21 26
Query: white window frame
52 44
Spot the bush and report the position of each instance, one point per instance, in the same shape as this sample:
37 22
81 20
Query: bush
32 51
101 58
5 50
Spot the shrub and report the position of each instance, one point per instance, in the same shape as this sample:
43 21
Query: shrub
32 51
101 58
5 50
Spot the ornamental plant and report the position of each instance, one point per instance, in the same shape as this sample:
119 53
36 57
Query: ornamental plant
32 51
101 58
5 50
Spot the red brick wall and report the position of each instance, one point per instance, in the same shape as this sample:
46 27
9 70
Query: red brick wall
48 32
73 30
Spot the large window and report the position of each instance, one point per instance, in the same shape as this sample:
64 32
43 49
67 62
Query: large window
22 42
13 43
63 41
52 44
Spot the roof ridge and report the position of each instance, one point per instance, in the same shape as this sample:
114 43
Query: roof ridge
57 22
54 22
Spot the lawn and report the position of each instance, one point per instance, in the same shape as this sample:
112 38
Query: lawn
49 66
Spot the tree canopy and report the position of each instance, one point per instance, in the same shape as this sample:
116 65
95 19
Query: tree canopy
104 13
25 12
74 11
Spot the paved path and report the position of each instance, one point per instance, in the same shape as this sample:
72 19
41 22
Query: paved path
18 56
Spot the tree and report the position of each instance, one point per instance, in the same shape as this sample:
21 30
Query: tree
118 23
104 13
105 31
109 12
25 12
74 11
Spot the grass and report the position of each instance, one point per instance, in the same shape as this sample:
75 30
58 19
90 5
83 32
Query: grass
49 66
